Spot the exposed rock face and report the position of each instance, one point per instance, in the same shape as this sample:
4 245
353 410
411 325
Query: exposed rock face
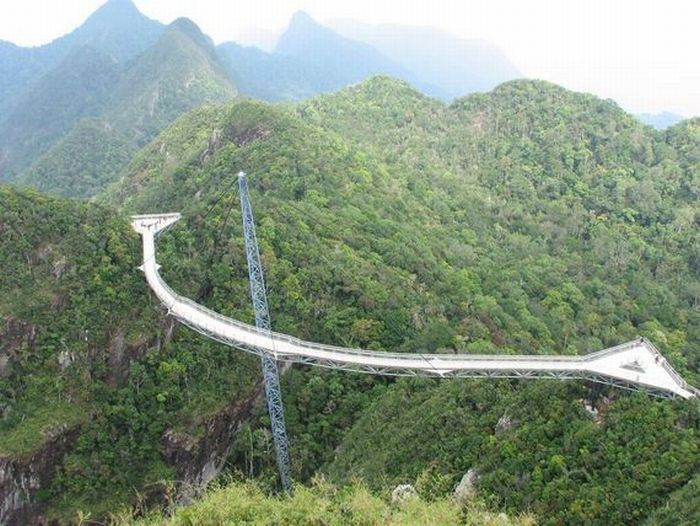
590 408
121 354
213 145
504 424
598 409
20 478
198 460
402 493
14 334
466 489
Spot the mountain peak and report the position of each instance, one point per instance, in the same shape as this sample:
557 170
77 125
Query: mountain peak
115 8
301 17
188 27
117 28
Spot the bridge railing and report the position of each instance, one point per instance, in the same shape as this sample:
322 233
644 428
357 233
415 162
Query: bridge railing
279 337
206 314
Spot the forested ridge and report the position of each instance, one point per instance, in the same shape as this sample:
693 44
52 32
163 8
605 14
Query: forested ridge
525 220
75 130
75 110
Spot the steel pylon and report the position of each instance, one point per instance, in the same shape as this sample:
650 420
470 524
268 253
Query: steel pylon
271 378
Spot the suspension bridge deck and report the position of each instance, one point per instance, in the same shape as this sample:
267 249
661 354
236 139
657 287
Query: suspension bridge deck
633 365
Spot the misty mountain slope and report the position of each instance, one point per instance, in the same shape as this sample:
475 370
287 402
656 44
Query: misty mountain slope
116 29
309 59
174 76
660 121
78 87
140 77
346 60
270 77
454 65
180 72
21 67
82 162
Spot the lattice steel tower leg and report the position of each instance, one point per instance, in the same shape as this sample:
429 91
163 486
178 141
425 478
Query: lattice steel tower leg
271 376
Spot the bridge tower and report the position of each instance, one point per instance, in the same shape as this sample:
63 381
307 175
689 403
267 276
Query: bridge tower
271 378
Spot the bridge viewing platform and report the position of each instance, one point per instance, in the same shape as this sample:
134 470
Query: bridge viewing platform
632 365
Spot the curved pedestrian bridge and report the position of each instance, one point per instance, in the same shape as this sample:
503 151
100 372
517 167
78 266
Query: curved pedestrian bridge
633 365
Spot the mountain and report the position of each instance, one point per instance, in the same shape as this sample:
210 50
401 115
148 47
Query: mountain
124 77
660 121
90 369
346 61
121 109
500 223
529 219
454 65
524 145
117 29
271 77
177 74
309 59
78 87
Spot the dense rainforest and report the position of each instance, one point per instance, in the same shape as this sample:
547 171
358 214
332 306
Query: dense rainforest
529 219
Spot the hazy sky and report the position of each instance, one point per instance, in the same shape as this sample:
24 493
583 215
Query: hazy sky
642 53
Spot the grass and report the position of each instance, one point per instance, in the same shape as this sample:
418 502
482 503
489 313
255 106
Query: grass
29 434
320 504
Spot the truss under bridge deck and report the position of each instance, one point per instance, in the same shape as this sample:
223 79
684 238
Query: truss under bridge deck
633 365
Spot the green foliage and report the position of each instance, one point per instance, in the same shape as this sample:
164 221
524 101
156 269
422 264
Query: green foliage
75 90
682 507
322 504
552 458
76 319
82 162
47 421
76 132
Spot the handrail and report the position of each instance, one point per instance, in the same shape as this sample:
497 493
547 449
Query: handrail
657 375
281 337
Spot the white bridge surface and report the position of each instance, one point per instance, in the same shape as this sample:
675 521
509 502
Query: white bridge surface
633 365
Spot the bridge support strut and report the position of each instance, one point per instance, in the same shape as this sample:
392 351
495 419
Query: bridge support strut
271 378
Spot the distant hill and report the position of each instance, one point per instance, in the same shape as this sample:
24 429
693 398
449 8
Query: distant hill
117 29
345 60
271 77
456 66
121 78
45 141
312 58
79 86
660 121
308 59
